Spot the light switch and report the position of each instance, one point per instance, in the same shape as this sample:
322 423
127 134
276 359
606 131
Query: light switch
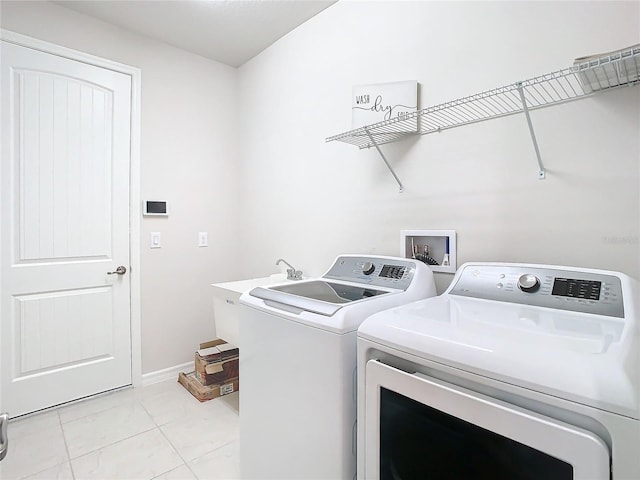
155 240
203 239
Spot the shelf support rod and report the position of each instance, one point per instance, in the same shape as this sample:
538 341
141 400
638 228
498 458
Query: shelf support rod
385 160
525 109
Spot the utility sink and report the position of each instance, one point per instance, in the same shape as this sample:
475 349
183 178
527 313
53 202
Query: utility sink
241 286
225 303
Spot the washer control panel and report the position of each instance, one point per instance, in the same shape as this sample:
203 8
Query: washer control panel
379 271
587 291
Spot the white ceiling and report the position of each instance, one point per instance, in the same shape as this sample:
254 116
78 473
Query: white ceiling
228 31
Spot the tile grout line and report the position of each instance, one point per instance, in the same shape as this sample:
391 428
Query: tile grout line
158 426
66 445
113 443
97 412
117 441
185 463
138 402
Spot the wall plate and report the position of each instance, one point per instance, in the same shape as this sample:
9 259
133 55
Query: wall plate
436 241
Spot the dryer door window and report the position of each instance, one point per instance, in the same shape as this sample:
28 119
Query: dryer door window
417 441
420 427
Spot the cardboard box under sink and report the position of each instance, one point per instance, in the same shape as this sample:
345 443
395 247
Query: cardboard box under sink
216 371
216 362
203 392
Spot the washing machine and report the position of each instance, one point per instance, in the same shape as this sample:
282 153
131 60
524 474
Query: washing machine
517 371
298 364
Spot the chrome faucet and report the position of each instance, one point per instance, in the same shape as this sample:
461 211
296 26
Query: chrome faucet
4 441
292 273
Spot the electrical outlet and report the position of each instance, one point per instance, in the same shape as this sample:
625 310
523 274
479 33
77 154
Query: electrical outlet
203 239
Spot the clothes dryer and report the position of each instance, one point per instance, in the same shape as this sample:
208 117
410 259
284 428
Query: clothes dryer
517 371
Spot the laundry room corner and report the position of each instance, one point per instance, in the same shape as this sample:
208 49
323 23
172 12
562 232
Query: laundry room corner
479 179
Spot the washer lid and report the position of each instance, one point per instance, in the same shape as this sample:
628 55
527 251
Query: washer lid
317 296
329 291
590 359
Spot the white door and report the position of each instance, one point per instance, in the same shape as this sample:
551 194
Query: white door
65 329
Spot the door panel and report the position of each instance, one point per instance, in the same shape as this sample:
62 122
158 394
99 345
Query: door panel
65 323
64 201
53 333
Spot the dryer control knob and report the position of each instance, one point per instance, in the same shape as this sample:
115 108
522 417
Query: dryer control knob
528 283
368 268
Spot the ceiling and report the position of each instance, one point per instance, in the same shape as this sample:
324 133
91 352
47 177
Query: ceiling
228 31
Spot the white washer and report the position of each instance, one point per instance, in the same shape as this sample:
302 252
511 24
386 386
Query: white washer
298 361
516 371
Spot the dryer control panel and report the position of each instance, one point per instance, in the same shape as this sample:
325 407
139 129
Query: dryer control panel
580 290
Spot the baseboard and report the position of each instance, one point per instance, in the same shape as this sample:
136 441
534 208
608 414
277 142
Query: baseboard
170 373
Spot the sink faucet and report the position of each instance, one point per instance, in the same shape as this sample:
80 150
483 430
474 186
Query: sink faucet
292 273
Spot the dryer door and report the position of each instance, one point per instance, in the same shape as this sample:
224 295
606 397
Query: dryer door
420 427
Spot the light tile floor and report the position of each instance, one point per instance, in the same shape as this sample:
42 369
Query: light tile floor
155 432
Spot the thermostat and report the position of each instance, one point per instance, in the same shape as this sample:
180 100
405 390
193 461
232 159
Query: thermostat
155 207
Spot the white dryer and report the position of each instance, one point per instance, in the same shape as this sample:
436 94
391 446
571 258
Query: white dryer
517 372
298 362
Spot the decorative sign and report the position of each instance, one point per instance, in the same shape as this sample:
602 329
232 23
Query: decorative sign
385 101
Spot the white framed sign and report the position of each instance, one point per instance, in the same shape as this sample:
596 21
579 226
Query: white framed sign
384 101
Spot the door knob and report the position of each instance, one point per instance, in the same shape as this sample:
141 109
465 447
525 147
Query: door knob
121 270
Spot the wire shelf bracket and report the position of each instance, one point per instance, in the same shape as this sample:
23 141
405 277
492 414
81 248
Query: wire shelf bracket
588 76
525 109
373 142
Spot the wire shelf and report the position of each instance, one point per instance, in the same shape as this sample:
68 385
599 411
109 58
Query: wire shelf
586 77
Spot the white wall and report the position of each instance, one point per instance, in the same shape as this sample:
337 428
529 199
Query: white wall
188 157
308 201
300 198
